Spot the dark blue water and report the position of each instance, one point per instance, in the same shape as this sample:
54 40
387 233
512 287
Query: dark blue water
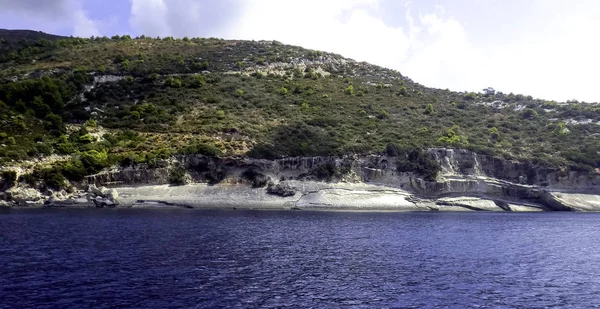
263 259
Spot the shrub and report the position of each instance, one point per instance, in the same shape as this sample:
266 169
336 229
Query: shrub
466 165
304 106
94 161
383 114
470 96
44 148
403 91
326 171
529 113
494 133
177 176
173 82
429 109
349 90
258 179
239 93
135 115
414 160
198 81
86 138
64 147
560 129
55 122
9 178
91 123
74 170
53 178
452 138
283 91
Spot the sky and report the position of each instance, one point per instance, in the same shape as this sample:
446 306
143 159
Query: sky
545 48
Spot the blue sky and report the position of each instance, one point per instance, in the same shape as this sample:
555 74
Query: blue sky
545 48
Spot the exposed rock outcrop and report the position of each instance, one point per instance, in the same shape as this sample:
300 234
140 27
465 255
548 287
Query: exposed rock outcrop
281 189
467 181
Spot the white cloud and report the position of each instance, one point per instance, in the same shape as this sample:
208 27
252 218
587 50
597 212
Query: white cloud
444 57
339 26
83 26
433 49
50 15
149 17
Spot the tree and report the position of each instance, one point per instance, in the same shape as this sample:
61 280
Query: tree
560 129
9 178
55 122
198 81
489 91
470 96
530 113
452 137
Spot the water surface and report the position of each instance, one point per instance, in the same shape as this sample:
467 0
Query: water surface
284 259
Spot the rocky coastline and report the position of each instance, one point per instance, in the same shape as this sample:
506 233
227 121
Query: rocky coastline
467 182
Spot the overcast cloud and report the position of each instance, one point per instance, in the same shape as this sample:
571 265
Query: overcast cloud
545 48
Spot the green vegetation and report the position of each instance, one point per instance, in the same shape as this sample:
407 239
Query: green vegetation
177 176
202 149
9 179
429 109
195 96
414 160
257 179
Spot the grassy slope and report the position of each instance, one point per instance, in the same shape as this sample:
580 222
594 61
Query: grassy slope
353 108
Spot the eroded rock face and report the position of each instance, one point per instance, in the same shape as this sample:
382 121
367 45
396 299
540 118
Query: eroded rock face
463 174
281 189
464 162
23 195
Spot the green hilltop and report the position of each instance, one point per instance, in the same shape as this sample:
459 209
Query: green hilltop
102 101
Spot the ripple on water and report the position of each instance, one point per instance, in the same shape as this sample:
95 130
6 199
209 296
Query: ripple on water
245 259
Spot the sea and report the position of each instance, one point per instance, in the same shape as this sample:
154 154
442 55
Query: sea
142 258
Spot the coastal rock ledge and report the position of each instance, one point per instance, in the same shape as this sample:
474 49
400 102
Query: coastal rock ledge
466 182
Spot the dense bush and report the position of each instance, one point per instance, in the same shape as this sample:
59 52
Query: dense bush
9 178
257 179
177 176
413 160
326 171
94 161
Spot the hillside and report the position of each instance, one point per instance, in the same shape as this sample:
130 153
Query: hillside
120 101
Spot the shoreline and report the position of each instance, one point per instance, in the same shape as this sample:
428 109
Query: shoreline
364 183
315 196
